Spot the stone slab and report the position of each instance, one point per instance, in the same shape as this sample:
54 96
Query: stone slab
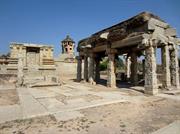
172 92
2 87
64 116
173 97
30 106
51 104
109 95
173 128
75 101
11 112
41 93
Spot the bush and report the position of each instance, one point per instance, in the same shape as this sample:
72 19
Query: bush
103 65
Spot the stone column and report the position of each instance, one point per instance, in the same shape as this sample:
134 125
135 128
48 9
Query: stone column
143 65
174 67
20 74
150 70
166 79
85 68
79 69
97 70
134 69
91 70
111 76
128 66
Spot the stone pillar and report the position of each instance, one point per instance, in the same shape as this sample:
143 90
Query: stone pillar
174 67
134 69
91 70
79 69
143 65
128 67
20 74
151 86
166 79
111 76
85 68
97 70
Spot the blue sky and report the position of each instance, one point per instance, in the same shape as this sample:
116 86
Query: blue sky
49 21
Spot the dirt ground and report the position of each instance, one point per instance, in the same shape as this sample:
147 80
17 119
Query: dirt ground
121 118
8 97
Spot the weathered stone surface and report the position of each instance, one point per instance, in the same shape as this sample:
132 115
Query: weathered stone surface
11 112
174 67
170 32
173 128
79 69
134 69
166 66
111 80
91 71
128 66
150 74
20 71
86 68
64 116
97 70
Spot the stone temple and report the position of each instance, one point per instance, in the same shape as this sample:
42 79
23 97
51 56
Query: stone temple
30 62
35 57
140 35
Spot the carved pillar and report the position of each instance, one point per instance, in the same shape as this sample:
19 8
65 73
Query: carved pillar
150 70
79 68
85 68
111 78
174 68
97 70
134 69
128 67
166 79
91 70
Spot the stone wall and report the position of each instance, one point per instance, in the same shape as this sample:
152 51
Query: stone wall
67 70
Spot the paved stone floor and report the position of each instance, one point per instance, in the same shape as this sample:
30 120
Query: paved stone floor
58 101
78 101
63 100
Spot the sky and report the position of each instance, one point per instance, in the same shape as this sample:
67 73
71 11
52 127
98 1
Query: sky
49 21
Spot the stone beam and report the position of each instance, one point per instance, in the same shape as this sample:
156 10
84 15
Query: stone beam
129 41
152 23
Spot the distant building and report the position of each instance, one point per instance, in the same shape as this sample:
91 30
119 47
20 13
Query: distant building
67 45
32 54
35 59
67 50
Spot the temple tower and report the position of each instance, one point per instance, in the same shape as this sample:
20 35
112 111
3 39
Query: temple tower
67 45
67 54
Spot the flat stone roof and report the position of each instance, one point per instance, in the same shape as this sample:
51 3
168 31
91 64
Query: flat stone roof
30 45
